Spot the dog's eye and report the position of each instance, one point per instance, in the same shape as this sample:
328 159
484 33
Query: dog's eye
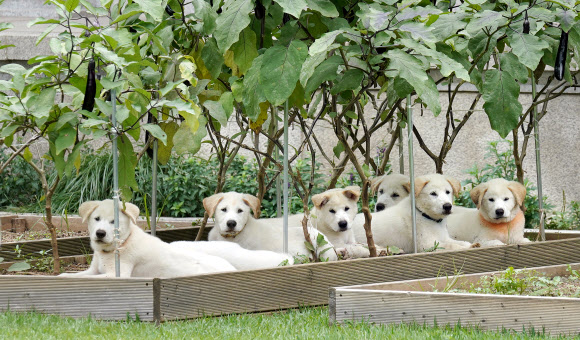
395 195
97 219
447 192
433 193
346 208
240 211
491 200
506 199
224 209
112 221
381 191
332 211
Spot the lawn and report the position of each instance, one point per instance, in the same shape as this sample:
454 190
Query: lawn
306 323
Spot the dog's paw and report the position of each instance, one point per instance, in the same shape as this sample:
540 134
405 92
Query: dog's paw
475 245
342 253
66 275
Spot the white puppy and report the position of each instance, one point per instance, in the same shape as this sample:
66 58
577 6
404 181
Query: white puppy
434 202
242 259
498 219
141 255
234 223
390 189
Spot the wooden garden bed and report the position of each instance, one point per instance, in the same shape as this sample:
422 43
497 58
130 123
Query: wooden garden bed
423 301
259 290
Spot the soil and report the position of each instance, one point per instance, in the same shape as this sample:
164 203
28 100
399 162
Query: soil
71 267
38 235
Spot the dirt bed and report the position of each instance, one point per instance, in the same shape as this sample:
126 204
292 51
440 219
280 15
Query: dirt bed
38 235
71 267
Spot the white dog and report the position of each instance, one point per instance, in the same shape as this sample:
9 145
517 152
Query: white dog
390 189
234 223
498 219
242 259
434 202
141 255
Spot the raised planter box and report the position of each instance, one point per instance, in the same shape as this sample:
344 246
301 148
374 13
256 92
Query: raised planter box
259 290
416 301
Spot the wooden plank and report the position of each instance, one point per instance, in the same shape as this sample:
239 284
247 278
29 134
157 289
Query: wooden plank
293 286
416 301
106 299
533 234
71 246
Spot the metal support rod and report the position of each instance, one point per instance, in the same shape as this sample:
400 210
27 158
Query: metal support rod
154 190
285 188
538 163
115 181
279 178
412 171
401 152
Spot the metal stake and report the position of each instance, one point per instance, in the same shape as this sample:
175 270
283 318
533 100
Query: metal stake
285 174
401 152
412 171
154 190
115 181
538 164
278 179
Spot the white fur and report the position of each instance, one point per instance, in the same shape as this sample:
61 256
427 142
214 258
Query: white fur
141 255
256 234
242 259
390 190
393 226
491 197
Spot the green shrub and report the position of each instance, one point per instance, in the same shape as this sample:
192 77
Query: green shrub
20 187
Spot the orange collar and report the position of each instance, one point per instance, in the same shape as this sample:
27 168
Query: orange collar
504 225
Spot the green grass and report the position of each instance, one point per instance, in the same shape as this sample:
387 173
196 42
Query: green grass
306 323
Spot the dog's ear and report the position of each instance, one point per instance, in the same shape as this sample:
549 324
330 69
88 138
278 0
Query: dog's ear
87 208
375 183
319 200
477 194
407 187
352 193
132 211
519 192
455 184
254 203
210 203
420 183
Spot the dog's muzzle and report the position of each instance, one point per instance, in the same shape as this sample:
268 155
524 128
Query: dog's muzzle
447 208
380 207
342 225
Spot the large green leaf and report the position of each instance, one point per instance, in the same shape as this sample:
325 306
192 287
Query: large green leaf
156 131
66 138
216 110
323 43
326 71
245 50
528 48
351 80
510 63
309 65
188 142
212 58
279 75
18 267
292 7
234 18
373 16
420 32
502 106
127 163
207 16
164 151
41 104
252 91
412 70
567 19
325 7
490 20
448 65
155 8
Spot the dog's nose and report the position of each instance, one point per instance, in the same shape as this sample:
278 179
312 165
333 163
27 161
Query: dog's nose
101 233
447 207
342 224
380 206
231 224
499 212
